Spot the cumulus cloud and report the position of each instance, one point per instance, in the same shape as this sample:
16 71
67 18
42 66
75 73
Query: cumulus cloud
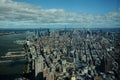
22 14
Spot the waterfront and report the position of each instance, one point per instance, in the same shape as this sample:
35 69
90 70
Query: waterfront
73 52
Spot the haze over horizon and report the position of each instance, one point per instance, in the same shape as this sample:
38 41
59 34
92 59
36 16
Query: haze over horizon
59 13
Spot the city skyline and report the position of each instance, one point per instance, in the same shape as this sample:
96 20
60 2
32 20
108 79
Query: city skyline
59 13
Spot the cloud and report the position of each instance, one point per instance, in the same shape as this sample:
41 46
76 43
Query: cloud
17 14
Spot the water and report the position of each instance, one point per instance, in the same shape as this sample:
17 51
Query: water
7 43
15 68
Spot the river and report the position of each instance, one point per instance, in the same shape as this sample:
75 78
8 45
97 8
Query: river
7 44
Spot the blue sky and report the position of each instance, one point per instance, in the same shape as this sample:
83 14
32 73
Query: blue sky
80 6
81 13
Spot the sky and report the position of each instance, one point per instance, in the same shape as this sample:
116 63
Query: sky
87 6
59 13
